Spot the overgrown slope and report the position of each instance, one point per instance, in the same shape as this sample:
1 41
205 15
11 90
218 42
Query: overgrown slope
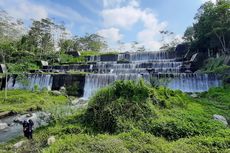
134 117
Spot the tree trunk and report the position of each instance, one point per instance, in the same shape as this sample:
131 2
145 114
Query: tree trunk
222 41
4 62
6 85
209 53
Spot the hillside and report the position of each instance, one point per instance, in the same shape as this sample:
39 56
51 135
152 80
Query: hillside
135 117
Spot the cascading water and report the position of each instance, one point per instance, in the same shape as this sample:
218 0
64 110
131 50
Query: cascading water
189 82
93 82
41 80
136 65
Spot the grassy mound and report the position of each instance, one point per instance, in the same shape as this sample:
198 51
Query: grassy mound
119 107
127 105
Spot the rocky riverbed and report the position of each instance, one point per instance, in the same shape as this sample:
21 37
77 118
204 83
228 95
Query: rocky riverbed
10 126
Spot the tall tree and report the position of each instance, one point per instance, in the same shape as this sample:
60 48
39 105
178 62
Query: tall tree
10 28
189 34
169 40
213 24
89 42
44 37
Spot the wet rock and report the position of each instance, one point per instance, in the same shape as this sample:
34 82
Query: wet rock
14 129
56 93
19 144
62 89
188 71
38 118
80 101
5 114
74 102
51 140
40 71
220 118
29 115
56 71
194 95
3 126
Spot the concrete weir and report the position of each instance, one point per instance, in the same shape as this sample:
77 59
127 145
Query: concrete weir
102 70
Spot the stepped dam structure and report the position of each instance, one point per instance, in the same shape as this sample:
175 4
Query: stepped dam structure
160 67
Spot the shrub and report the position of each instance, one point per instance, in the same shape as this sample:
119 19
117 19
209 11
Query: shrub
73 89
111 108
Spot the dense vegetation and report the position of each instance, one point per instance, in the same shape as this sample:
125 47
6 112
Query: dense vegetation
216 65
22 48
145 119
210 34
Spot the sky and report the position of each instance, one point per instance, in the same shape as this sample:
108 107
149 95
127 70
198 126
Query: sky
116 20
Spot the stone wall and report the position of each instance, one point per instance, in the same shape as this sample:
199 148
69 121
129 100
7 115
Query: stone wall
74 83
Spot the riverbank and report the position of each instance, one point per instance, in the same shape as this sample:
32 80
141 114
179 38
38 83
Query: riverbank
43 107
21 101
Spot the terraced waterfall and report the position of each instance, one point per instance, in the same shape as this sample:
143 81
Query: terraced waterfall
162 66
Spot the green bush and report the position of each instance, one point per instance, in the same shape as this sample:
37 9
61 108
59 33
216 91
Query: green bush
215 65
112 106
65 58
73 89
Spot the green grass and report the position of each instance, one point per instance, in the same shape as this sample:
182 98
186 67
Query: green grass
93 53
22 67
22 100
65 58
217 100
77 72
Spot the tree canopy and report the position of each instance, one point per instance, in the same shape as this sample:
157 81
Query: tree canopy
211 29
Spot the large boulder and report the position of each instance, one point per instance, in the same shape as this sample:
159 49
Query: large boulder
220 118
80 101
6 113
194 95
3 126
56 93
51 140
39 118
19 144
62 88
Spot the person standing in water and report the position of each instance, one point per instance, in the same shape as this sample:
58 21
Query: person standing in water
25 126
30 129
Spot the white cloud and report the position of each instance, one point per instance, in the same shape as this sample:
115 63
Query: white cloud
111 34
123 17
203 1
150 34
25 9
126 17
